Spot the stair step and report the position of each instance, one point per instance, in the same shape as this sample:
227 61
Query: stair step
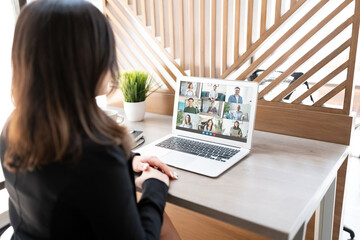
177 60
158 38
187 72
168 50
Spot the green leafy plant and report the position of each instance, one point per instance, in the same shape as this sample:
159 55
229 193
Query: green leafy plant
180 117
135 85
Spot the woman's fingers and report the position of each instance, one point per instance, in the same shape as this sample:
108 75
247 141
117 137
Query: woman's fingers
156 162
142 163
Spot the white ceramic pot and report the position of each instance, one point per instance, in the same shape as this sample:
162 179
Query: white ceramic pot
134 111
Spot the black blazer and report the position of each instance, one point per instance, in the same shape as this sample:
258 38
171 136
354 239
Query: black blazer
93 199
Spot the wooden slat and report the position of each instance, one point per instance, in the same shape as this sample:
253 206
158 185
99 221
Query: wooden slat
134 3
124 59
304 58
104 2
202 38
152 17
301 107
143 11
148 61
313 70
263 17
181 33
303 123
123 31
123 50
348 99
310 228
191 38
330 94
339 199
213 39
224 27
170 58
236 29
171 27
161 23
246 56
249 23
292 3
281 40
277 11
322 82
134 62
125 22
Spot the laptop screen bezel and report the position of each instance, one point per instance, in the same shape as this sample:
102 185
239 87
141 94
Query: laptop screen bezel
231 142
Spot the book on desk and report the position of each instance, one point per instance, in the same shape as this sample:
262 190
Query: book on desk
138 137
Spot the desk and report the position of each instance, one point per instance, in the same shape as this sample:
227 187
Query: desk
274 191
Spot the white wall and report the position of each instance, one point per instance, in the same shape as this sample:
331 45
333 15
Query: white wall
7 22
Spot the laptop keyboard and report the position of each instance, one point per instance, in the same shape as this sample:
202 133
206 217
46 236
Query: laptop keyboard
206 150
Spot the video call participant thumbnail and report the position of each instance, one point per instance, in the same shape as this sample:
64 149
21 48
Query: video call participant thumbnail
213 95
190 92
190 108
238 115
212 109
236 130
209 126
187 122
235 98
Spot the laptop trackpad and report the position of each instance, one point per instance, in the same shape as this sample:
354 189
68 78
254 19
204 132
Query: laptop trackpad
178 159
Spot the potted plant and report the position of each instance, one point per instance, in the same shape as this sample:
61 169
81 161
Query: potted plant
135 85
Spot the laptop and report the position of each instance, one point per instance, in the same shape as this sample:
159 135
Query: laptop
212 128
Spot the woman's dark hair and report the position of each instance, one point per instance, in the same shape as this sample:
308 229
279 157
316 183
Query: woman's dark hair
207 124
186 117
61 52
238 124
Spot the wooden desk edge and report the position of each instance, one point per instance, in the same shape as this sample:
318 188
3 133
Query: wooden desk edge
235 221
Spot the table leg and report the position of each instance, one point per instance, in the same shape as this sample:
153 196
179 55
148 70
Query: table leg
300 235
324 215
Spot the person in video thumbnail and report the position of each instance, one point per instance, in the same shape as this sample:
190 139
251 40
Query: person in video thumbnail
209 126
212 109
213 94
187 122
190 108
190 92
238 115
236 98
235 130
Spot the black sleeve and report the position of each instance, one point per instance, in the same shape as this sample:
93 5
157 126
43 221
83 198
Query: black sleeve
107 199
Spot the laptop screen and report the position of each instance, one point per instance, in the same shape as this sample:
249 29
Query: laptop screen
220 109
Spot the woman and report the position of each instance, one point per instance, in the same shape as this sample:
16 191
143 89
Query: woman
68 167
187 122
209 125
190 92
235 130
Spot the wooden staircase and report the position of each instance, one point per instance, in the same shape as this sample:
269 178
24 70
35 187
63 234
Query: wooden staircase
232 39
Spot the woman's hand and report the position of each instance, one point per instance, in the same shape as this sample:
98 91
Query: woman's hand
151 173
143 163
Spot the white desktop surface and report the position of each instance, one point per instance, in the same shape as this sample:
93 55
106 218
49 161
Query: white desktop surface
274 191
